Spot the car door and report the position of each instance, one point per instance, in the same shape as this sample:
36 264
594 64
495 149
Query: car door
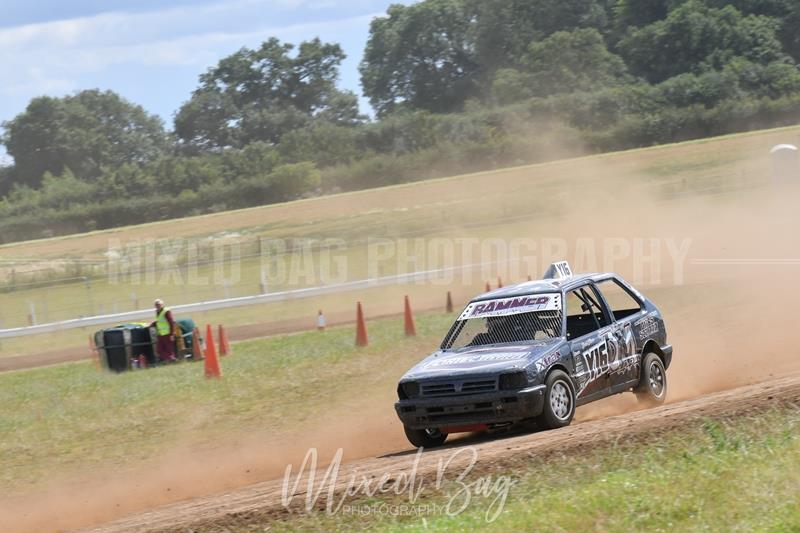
623 308
588 330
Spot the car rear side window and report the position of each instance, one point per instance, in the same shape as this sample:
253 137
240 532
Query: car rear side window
620 302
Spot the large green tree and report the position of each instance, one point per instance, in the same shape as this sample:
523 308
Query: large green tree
787 11
436 54
771 8
696 38
83 132
564 62
789 34
261 94
506 28
421 56
641 12
570 61
5 180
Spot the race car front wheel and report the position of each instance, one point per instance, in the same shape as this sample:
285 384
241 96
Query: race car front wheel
425 438
652 387
559 401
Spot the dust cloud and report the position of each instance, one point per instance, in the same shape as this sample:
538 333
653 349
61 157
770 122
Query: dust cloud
730 309
191 470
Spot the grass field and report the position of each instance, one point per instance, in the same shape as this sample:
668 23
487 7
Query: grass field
72 418
517 202
736 474
52 417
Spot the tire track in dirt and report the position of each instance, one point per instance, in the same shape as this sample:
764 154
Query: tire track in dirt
264 500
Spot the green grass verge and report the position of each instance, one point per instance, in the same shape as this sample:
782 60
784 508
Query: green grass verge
734 474
72 417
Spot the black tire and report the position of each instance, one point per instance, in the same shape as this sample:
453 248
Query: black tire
559 401
652 388
425 438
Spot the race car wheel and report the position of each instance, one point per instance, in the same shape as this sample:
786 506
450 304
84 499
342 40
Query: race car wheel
652 387
425 438
559 401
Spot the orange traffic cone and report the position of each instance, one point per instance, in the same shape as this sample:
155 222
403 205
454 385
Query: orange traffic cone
411 330
212 363
224 345
488 287
499 282
197 352
449 306
361 327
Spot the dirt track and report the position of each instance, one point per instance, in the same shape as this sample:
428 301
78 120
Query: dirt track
263 500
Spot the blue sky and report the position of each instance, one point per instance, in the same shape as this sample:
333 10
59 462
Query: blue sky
151 51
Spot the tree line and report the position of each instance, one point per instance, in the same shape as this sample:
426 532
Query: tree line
455 85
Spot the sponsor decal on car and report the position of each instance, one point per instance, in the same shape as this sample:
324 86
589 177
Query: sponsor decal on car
595 359
646 327
623 355
546 361
477 358
509 306
611 355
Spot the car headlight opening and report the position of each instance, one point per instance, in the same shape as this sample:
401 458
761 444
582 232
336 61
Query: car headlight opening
513 380
409 389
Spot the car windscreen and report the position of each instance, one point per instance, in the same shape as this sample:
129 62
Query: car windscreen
507 320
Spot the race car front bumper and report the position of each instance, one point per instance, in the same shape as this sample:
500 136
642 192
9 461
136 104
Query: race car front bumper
473 409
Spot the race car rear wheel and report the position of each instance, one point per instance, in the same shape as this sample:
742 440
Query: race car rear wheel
559 401
652 387
425 438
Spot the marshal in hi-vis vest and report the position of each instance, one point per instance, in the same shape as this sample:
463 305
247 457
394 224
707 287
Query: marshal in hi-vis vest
162 324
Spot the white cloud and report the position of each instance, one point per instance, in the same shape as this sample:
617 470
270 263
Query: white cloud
35 80
62 51
154 57
123 27
200 49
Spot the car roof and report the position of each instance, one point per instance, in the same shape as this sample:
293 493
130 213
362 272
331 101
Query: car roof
540 286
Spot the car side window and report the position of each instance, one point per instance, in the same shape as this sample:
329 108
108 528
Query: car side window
584 313
620 302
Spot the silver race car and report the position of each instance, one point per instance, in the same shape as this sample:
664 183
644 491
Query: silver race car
534 352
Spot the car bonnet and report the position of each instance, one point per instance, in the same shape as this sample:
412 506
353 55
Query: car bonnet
482 359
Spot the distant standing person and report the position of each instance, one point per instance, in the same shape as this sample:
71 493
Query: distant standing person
165 326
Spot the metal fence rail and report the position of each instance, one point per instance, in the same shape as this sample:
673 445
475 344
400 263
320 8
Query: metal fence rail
119 318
